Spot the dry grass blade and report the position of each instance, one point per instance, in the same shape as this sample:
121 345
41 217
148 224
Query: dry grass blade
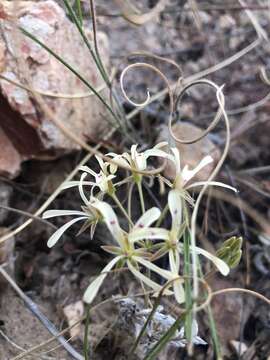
41 317
131 14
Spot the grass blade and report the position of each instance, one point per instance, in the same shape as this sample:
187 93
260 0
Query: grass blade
85 340
79 11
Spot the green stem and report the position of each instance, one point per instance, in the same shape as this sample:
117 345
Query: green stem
163 215
118 203
139 185
79 11
188 294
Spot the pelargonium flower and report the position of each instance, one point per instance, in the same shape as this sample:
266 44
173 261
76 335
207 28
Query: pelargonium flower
137 160
89 214
174 247
183 176
103 179
125 248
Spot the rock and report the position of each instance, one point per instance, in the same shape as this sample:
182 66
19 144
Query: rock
73 314
10 159
230 312
5 194
22 119
191 154
238 347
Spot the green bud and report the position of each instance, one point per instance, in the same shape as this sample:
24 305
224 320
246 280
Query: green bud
231 251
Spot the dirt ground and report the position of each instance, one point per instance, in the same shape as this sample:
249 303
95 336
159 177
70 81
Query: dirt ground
55 278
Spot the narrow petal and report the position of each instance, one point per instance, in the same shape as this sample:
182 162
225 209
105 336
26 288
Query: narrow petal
58 233
175 206
87 169
111 220
212 183
148 218
70 184
53 213
189 174
153 285
133 151
176 160
220 264
172 262
121 162
160 145
140 161
81 191
93 288
179 292
148 233
164 273
157 153
102 164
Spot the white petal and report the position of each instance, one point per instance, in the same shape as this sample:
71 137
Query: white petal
58 233
133 151
157 153
121 162
70 184
53 213
148 218
140 161
177 260
175 206
93 288
172 262
160 145
81 191
153 285
177 284
176 160
85 168
111 220
164 273
220 264
212 183
179 292
101 163
189 174
148 233
194 329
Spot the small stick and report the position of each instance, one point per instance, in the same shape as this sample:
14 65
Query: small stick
33 307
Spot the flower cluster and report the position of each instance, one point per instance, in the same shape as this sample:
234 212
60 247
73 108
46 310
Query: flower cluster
140 243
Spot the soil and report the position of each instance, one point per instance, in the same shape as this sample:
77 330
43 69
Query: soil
54 278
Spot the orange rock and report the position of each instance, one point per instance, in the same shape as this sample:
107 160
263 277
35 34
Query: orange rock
28 63
10 159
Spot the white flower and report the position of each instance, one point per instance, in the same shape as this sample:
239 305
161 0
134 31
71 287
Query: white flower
89 215
136 160
103 179
125 249
183 176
